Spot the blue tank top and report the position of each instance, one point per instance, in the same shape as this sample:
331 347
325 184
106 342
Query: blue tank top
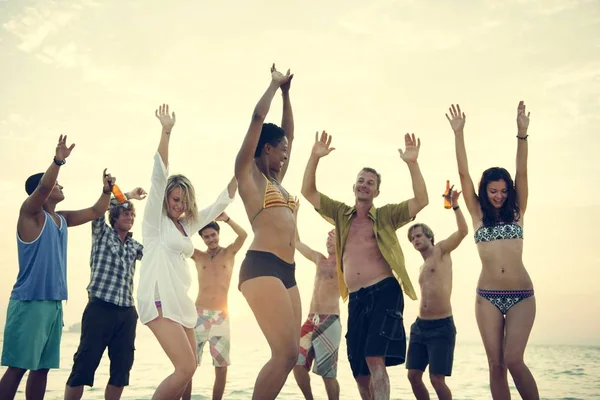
43 264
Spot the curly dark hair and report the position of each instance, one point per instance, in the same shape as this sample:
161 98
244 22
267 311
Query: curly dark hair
510 211
270 134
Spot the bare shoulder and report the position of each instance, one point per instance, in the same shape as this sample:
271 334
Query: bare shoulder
198 255
252 180
438 253
29 225
250 189
442 259
229 255
323 262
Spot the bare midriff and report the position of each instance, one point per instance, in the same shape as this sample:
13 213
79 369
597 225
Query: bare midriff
435 280
363 262
502 265
326 292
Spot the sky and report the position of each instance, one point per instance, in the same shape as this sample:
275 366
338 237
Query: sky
367 73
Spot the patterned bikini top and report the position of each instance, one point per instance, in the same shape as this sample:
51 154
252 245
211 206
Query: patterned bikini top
498 231
274 198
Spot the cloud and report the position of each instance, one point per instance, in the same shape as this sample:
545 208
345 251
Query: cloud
36 24
55 33
578 85
553 7
413 27
11 128
574 74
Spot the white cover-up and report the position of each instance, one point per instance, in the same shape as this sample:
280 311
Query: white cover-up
164 272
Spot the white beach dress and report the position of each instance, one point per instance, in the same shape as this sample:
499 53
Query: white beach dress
164 272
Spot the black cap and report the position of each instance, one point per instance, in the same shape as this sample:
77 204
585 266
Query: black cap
33 182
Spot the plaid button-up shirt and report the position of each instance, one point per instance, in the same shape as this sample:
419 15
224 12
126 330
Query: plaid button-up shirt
113 264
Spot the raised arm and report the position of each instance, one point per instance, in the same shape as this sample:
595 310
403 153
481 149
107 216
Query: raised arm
240 232
85 215
245 156
521 183
32 206
454 240
153 211
305 250
136 194
167 121
211 212
321 148
287 123
410 156
232 187
457 122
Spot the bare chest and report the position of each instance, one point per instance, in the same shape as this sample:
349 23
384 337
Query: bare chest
214 268
435 270
327 273
361 235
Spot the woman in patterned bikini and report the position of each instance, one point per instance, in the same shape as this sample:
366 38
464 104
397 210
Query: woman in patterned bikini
267 274
505 304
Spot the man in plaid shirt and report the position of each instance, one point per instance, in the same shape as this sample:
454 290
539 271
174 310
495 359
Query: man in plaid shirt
110 317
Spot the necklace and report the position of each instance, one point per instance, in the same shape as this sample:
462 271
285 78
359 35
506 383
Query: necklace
211 256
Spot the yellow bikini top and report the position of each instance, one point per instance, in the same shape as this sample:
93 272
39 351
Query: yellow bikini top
274 198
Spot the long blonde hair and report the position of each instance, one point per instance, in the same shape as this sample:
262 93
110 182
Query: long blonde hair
189 196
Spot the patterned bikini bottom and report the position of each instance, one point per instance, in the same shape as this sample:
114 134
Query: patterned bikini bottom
504 299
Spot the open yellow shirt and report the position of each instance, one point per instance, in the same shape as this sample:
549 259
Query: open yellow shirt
386 220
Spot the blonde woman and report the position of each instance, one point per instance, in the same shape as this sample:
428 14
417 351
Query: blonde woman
170 218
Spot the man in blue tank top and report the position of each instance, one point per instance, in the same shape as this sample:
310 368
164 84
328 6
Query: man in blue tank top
34 318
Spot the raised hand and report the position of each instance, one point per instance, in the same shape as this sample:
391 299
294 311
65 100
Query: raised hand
108 181
283 81
455 196
411 148
321 148
522 117
457 118
166 120
138 194
222 217
62 151
448 194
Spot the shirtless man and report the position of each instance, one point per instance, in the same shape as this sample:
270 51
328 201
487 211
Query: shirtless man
321 333
370 263
433 335
214 275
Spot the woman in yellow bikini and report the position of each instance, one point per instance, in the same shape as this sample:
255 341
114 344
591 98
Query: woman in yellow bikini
267 274
505 306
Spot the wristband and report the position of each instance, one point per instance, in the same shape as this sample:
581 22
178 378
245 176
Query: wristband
522 137
59 163
455 208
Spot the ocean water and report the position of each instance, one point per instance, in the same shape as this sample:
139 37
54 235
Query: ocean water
562 372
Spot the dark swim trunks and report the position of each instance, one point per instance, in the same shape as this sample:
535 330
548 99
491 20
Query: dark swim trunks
432 342
376 326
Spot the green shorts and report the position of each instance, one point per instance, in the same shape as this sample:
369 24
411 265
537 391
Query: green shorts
32 334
